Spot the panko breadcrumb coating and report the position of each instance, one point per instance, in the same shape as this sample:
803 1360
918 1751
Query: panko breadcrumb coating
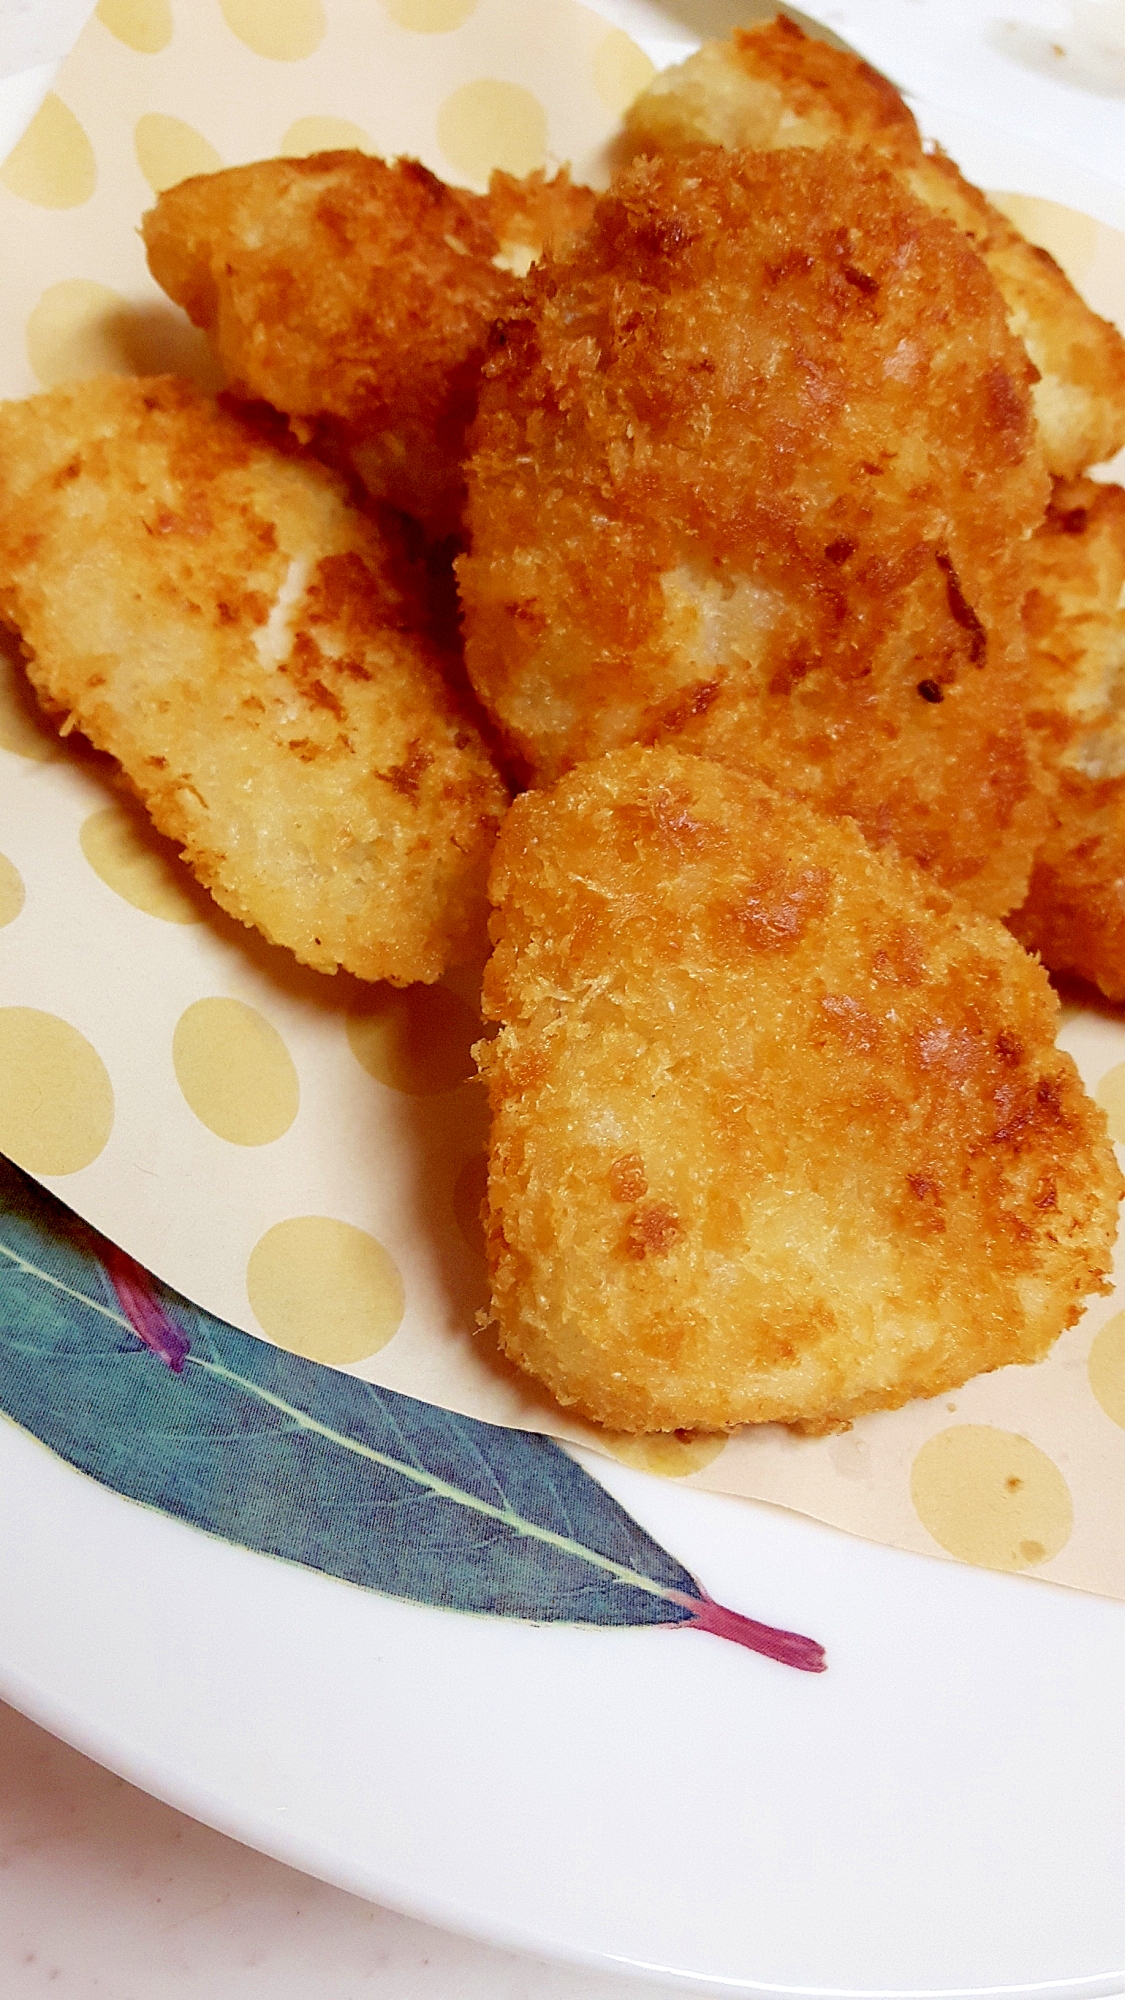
1075 911
355 295
533 217
754 470
212 612
772 86
779 1133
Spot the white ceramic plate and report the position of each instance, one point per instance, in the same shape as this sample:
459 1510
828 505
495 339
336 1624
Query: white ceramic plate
942 1813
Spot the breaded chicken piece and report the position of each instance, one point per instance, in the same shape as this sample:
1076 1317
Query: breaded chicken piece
355 295
211 611
772 86
754 470
779 1132
1075 912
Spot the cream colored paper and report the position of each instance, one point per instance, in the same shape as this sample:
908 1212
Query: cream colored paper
297 1154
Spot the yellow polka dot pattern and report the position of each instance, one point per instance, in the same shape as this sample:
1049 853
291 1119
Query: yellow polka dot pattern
991 1497
1107 1368
489 124
12 892
78 328
324 1289
56 1099
431 17
324 135
235 1072
418 1039
143 25
70 332
281 30
127 854
53 165
169 151
671 1455
621 71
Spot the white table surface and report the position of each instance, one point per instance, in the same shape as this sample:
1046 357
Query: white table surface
106 1894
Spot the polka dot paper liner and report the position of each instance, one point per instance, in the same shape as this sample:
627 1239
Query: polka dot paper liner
305 1156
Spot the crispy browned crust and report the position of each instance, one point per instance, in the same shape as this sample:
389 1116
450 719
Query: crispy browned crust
211 612
355 295
754 470
771 86
1075 912
537 216
779 1133
1080 395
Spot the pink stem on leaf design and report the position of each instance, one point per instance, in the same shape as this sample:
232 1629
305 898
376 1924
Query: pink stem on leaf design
790 1649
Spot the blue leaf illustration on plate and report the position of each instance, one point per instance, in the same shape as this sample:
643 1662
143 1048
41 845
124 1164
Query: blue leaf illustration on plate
167 1405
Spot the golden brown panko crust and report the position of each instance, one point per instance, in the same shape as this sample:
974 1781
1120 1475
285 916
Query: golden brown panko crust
754 470
772 86
214 614
779 1133
1074 915
355 295
769 86
533 217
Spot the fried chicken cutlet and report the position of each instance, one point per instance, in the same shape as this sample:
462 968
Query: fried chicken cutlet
754 470
772 86
355 296
1074 915
779 1131
213 613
